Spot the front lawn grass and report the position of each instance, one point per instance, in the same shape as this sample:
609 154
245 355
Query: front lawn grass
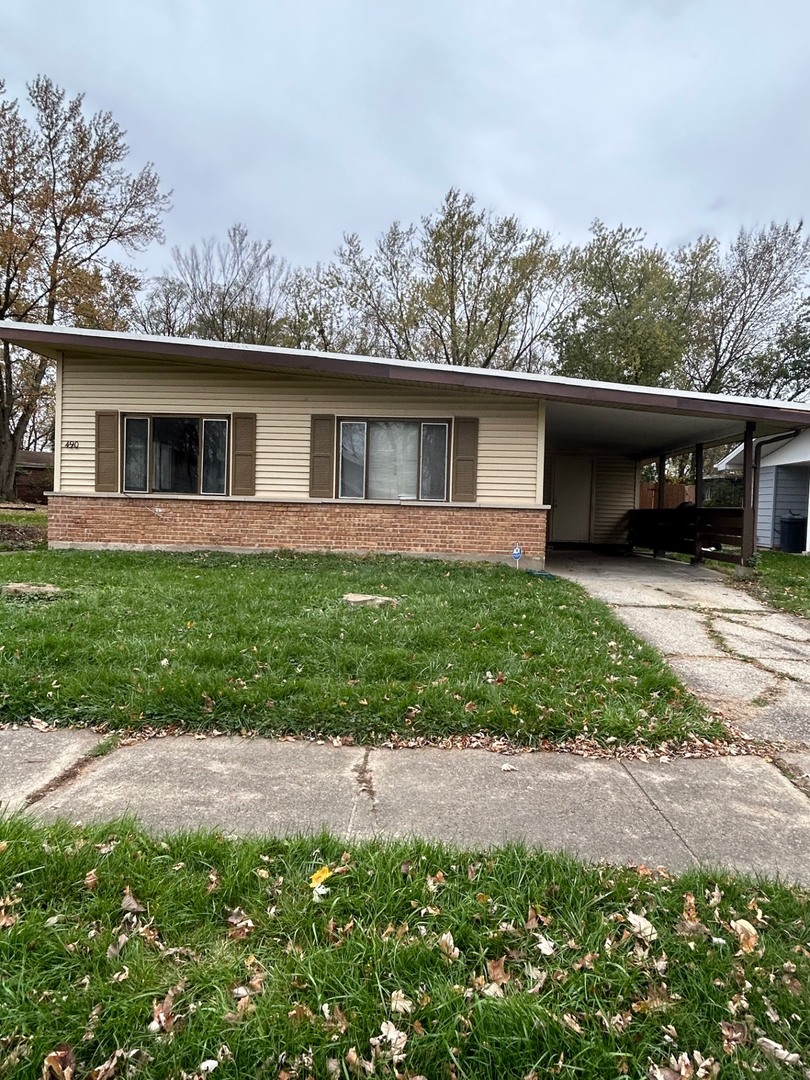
493 964
784 581
34 518
267 643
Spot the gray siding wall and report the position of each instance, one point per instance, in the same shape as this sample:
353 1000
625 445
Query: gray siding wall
790 496
767 486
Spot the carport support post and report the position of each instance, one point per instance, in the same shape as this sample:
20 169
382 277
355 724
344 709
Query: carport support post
748 495
659 497
699 492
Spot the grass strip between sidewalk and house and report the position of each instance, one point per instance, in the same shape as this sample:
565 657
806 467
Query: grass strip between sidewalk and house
218 642
783 580
304 958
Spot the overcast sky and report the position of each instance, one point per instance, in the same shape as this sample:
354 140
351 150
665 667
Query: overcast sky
305 119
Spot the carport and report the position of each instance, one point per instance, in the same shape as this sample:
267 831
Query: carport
598 436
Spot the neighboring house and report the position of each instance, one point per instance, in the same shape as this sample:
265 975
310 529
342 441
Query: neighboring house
783 490
164 442
33 475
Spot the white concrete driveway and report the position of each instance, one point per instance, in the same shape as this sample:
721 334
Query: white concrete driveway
748 662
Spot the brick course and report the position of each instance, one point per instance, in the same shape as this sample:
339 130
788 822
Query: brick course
315 526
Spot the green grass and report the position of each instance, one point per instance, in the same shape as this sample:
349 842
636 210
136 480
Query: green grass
267 643
784 581
35 518
580 989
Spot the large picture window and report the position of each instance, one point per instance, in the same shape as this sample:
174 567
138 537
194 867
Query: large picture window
183 455
393 459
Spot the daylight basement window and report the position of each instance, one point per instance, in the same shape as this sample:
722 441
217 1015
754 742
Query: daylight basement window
393 459
181 455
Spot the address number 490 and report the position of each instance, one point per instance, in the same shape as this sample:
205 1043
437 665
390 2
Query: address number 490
71 444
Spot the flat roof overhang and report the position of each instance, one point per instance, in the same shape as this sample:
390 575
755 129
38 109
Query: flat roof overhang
639 422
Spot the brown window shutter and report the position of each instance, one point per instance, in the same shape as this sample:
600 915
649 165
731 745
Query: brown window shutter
107 451
322 458
465 459
243 441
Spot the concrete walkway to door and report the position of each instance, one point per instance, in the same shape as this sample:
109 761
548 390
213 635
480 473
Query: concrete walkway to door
746 661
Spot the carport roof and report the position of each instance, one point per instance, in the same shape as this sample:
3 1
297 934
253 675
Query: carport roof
639 421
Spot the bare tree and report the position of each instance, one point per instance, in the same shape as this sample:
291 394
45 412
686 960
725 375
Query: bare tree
230 290
68 206
745 298
463 287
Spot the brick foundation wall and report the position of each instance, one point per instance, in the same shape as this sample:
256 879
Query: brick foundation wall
205 523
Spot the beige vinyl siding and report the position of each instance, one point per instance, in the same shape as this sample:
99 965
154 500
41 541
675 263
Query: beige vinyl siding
615 492
508 427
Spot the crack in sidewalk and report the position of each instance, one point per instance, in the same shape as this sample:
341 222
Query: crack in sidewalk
101 749
753 661
64 777
659 811
365 783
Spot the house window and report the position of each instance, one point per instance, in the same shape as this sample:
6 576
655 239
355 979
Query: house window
183 455
393 459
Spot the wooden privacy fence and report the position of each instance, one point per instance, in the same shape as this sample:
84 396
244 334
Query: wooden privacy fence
674 495
702 532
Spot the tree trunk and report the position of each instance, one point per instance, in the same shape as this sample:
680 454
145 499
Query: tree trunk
9 447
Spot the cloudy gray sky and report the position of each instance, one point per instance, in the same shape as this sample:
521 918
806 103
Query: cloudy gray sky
307 118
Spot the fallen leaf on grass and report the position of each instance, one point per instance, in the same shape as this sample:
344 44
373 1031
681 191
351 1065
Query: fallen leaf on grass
92 1021
115 947
734 1035
107 1070
748 936
60 1064
3 846
496 972
163 1017
130 904
642 928
697 1066
7 920
657 999
571 1021
213 882
91 879
358 1066
771 1012
122 975
107 846
300 1012
777 1052
619 1022
389 1045
435 881
335 1018
545 945
448 947
239 923
243 1006
400 1003
585 962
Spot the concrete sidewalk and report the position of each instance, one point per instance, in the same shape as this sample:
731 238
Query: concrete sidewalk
745 660
737 812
